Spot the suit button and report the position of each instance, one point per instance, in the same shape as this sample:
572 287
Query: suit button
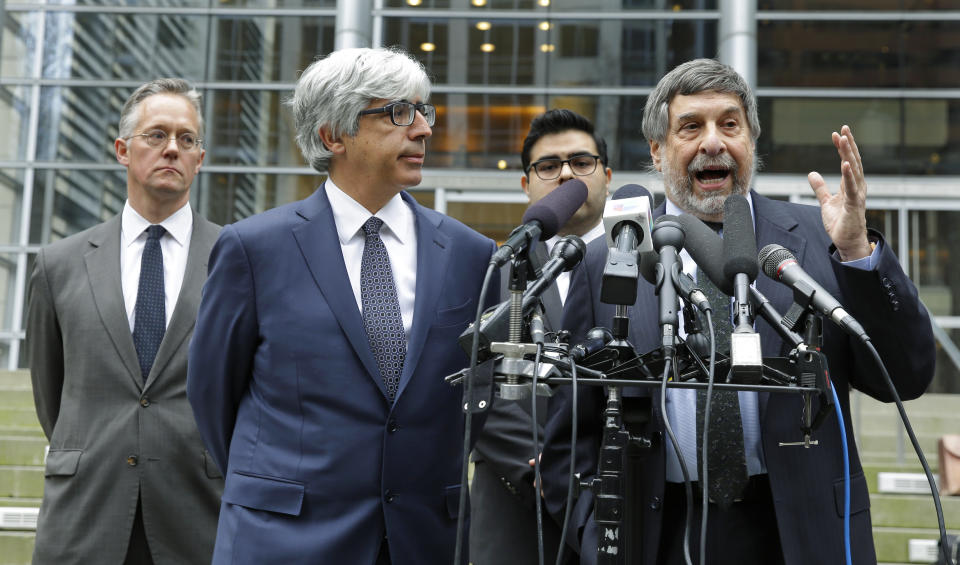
655 503
392 426
388 496
132 460
144 402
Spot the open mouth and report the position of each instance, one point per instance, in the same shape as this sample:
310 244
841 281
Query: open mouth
712 175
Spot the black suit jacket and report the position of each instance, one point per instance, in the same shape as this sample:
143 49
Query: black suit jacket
807 484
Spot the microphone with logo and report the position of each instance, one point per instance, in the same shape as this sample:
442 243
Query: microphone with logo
626 221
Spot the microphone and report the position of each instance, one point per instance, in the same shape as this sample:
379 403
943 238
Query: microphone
740 267
780 264
706 248
543 219
668 239
595 340
495 324
626 221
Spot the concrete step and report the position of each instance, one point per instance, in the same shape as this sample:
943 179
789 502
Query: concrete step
25 481
16 548
16 397
893 543
22 450
913 511
20 378
17 416
29 502
879 444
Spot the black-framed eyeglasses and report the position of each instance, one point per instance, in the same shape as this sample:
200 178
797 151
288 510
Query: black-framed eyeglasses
158 138
580 165
403 113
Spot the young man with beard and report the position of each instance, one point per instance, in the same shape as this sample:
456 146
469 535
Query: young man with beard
782 504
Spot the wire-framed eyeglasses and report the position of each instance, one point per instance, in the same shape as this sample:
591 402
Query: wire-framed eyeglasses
158 138
580 165
402 113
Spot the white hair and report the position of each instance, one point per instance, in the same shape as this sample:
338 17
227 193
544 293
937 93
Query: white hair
332 91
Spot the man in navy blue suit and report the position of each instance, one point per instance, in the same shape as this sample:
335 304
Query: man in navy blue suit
324 333
701 123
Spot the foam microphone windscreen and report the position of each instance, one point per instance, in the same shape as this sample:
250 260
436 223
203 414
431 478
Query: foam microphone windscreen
633 191
706 248
555 209
739 240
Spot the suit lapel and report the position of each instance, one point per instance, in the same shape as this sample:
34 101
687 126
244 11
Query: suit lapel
552 305
103 271
320 245
433 253
184 315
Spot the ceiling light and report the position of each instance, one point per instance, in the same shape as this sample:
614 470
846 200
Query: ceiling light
427 46
487 47
483 26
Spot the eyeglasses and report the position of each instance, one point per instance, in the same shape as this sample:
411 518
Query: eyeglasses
580 165
403 113
159 138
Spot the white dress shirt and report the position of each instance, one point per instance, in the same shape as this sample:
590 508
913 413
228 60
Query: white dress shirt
399 235
563 281
174 245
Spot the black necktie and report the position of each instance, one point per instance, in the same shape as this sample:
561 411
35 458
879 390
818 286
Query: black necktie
150 315
381 308
726 461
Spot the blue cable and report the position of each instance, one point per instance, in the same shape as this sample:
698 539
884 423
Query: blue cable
846 477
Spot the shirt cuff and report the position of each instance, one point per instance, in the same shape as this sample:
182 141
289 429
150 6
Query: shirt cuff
865 263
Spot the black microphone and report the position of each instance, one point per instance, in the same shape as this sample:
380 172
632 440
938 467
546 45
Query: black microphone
706 248
595 340
668 239
543 219
688 288
779 264
495 324
626 221
741 268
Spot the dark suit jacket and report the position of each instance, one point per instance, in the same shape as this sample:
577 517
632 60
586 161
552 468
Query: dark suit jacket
114 438
320 466
806 483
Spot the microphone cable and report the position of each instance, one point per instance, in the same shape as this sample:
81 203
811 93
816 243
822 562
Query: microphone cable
474 353
916 446
573 464
704 471
846 477
687 485
536 453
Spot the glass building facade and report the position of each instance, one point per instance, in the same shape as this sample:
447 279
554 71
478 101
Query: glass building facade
888 68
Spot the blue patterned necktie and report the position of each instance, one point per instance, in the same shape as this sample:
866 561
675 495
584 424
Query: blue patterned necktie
725 455
381 308
150 315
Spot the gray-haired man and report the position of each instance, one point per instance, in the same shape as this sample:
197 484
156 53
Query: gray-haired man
111 313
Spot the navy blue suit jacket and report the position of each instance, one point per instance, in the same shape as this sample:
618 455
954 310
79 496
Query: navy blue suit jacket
806 483
320 467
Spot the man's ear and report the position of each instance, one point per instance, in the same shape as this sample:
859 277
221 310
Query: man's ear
525 185
655 155
333 144
120 149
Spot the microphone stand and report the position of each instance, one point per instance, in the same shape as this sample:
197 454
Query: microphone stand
512 362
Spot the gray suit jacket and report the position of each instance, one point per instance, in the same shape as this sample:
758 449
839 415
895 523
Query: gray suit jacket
112 436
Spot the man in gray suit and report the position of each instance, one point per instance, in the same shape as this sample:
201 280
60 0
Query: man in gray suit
111 314
561 145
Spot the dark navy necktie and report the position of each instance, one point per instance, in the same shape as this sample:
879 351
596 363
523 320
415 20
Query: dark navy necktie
150 315
381 308
725 455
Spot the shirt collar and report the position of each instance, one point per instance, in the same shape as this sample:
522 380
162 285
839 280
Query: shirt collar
178 224
349 215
